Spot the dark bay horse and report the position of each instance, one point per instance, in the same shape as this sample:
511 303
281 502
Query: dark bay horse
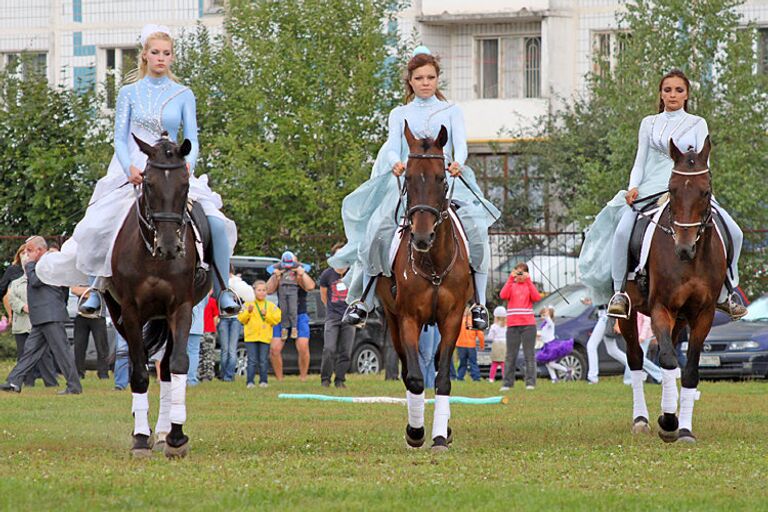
687 269
154 283
431 282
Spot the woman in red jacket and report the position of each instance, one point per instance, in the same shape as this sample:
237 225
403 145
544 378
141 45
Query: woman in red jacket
520 294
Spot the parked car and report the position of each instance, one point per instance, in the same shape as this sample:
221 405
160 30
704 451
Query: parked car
737 349
574 319
367 349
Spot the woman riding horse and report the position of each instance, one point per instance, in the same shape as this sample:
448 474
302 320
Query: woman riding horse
370 220
650 177
154 103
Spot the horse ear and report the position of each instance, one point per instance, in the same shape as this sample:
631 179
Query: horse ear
143 146
442 137
674 153
704 154
185 148
409 138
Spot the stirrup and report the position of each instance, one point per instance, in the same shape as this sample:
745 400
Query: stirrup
360 323
481 310
238 304
629 306
81 300
728 305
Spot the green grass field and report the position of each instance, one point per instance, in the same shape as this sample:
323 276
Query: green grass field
559 447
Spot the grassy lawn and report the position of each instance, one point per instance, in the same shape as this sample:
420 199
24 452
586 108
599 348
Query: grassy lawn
560 447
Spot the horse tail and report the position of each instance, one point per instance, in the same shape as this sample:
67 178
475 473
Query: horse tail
156 335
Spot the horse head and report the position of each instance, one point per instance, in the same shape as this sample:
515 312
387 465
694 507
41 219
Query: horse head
690 194
426 186
164 194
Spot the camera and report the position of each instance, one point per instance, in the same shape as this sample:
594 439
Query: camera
519 273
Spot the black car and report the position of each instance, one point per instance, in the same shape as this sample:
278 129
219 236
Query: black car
367 348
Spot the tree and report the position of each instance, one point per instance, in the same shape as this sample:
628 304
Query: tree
591 144
53 147
292 106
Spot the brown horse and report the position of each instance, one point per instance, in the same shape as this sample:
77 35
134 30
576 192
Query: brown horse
431 282
687 269
154 283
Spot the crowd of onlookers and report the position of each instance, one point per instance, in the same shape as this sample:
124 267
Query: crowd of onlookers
36 314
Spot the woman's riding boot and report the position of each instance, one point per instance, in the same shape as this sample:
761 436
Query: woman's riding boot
478 310
732 308
619 306
91 308
228 305
356 314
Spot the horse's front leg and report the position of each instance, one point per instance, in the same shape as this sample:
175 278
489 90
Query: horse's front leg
142 444
163 426
700 326
449 325
663 323
635 361
408 343
176 442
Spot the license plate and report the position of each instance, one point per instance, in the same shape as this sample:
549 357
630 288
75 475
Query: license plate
709 361
484 359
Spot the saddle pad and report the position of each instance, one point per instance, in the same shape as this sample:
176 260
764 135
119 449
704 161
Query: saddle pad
648 237
399 235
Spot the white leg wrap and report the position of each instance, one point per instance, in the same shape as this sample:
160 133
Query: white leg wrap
415 409
669 390
164 416
140 410
639 407
178 398
442 415
687 397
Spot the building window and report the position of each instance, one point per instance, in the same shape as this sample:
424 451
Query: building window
215 6
26 64
607 48
532 67
508 67
489 68
119 62
762 41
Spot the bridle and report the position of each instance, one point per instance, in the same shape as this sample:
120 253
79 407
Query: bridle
149 218
706 218
440 215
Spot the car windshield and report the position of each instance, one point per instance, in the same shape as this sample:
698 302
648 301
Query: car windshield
571 309
758 310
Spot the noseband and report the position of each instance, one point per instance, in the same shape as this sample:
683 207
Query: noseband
706 217
148 218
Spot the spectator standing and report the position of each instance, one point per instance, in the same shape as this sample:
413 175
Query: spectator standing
602 332
497 336
288 293
259 319
229 329
520 294
85 326
467 348
14 271
47 313
306 284
122 363
20 328
208 343
193 342
338 336
429 341
644 336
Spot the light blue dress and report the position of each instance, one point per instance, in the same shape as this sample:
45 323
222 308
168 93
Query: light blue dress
145 109
369 211
608 237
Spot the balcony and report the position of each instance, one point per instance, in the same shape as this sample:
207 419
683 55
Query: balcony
446 12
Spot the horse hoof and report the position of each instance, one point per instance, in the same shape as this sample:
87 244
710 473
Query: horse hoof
640 426
414 437
450 436
176 452
439 444
159 444
686 436
668 437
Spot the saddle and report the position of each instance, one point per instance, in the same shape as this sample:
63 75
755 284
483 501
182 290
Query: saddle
642 235
203 245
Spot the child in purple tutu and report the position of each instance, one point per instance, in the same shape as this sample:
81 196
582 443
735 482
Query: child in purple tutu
553 349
